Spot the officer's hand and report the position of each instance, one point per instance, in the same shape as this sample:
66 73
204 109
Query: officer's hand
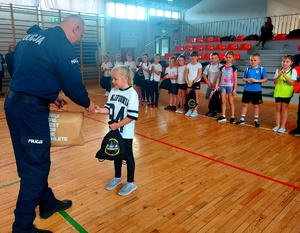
91 108
60 101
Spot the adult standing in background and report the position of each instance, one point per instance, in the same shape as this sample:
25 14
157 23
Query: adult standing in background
266 32
45 64
2 61
10 60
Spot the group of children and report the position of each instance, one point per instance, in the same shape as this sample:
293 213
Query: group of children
123 101
221 82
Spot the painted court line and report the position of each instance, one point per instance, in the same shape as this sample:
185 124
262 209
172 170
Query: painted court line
221 162
73 222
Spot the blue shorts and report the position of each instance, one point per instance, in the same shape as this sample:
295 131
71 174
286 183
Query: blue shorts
227 90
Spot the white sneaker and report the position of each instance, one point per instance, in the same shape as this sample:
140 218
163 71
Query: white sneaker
281 130
106 93
276 128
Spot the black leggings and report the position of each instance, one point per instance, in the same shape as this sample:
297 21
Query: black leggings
130 162
263 38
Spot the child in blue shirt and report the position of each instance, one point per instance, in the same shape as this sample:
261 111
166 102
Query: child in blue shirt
254 76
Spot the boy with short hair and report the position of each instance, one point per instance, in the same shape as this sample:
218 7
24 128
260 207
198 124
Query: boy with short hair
172 74
155 70
254 76
210 76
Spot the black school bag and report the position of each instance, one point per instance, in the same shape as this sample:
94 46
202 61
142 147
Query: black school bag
191 100
112 147
138 77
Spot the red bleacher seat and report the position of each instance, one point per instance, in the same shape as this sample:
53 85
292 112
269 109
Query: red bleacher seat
209 47
221 56
167 55
280 37
179 47
240 38
232 47
190 40
220 47
189 47
199 56
206 56
217 39
199 39
198 47
237 56
209 39
245 46
299 47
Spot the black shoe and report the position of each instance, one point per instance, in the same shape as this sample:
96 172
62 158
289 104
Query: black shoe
169 107
256 124
208 113
232 120
295 132
61 205
40 231
173 108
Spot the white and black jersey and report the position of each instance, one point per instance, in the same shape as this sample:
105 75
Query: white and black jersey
123 103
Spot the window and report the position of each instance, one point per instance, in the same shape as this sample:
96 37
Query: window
130 12
168 14
159 13
152 12
140 13
123 11
175 15
120 11
111 9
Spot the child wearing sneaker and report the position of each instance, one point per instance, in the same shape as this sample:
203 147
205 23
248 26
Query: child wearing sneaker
284 80
106 67
122 106
172 74
192 77
155 70
226 84
254 76
210 76
181 84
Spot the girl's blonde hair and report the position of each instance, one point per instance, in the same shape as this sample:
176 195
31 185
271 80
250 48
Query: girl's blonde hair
124 71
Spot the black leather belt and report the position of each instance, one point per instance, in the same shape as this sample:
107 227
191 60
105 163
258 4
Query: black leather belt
27 99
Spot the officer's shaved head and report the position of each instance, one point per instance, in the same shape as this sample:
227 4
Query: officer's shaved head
73 26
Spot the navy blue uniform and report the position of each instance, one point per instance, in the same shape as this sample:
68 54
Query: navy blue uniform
45 64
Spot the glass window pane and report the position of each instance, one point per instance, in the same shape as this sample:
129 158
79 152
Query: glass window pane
111 9
168 14
152 12
175 15
140 13
120 10
159 13
130 12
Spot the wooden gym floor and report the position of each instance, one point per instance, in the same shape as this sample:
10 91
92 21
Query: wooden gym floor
193 175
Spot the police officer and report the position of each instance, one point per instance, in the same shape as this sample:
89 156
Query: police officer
45 64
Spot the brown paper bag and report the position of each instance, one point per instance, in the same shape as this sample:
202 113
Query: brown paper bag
65 128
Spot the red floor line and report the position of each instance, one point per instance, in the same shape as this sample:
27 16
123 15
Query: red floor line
221 162
191 152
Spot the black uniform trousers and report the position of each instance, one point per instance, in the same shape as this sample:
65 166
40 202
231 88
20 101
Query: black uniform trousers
29 128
